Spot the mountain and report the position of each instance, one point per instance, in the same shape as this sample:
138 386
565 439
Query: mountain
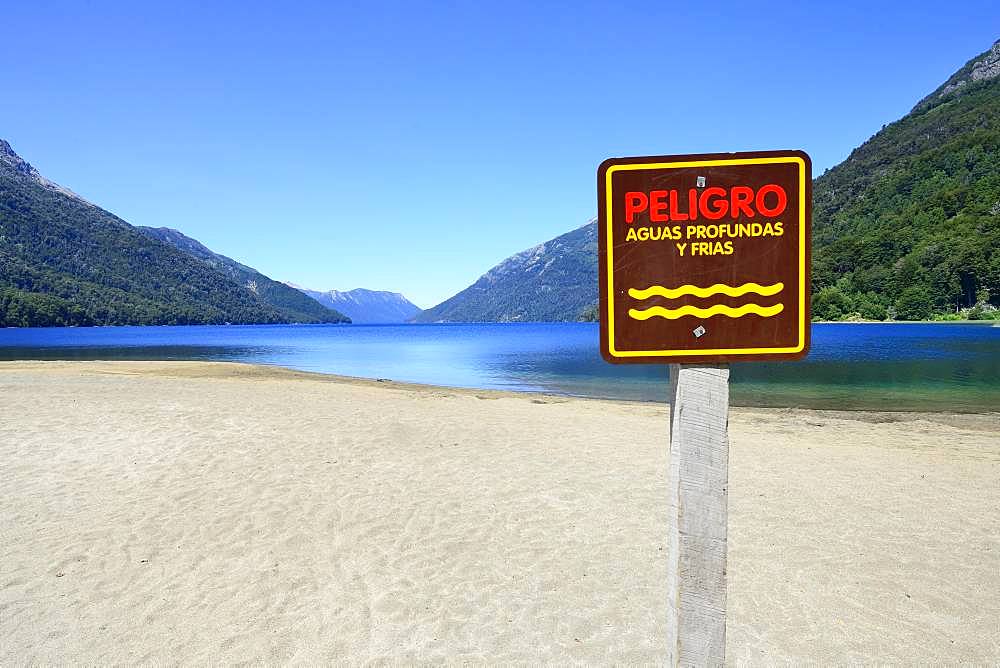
288 300
64 261
556 280
908 226
366 306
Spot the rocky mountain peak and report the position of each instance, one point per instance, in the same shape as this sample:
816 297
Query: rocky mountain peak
984 67
18 164
555 280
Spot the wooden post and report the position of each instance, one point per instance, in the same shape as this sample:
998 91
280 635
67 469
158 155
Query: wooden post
698 482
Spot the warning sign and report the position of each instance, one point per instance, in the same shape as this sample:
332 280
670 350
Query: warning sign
704 258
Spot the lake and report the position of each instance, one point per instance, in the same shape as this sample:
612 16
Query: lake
882 366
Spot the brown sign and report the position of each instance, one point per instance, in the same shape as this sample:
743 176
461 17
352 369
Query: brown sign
704 258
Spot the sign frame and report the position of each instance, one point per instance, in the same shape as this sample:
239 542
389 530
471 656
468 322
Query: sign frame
707 161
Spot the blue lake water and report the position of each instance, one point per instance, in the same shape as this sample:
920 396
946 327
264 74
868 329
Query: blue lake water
953 367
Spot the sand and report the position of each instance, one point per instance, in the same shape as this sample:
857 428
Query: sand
195 513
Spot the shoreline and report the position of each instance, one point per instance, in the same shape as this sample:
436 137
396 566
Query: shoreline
222 369
519 322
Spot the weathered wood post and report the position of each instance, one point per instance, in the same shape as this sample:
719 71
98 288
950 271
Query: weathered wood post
703 260
697 485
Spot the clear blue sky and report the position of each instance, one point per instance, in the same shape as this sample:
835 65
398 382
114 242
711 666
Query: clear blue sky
409 148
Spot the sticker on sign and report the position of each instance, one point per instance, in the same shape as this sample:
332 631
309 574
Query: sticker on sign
711 244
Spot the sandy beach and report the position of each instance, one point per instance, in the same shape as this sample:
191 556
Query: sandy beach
208 512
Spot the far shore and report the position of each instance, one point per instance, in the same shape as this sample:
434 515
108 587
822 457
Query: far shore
208 512
526 322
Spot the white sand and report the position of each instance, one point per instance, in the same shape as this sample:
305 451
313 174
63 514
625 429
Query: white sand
187 512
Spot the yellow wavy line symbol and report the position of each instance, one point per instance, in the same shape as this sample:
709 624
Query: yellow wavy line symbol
717 289
718 309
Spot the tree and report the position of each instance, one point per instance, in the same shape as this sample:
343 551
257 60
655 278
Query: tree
914 304
830 304
870 307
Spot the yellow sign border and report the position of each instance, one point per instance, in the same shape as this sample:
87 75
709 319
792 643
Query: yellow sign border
707 163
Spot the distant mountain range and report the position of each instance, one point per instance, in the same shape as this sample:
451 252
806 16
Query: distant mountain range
556 280
907 227
65 261
366 306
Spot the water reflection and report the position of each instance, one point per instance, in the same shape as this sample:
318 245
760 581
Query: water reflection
886 366
135 353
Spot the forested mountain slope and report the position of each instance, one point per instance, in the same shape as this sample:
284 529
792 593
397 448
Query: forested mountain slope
290 301
64 261
909 224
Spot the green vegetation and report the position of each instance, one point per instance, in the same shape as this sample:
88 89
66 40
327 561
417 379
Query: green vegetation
29 309
64 261
908 227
